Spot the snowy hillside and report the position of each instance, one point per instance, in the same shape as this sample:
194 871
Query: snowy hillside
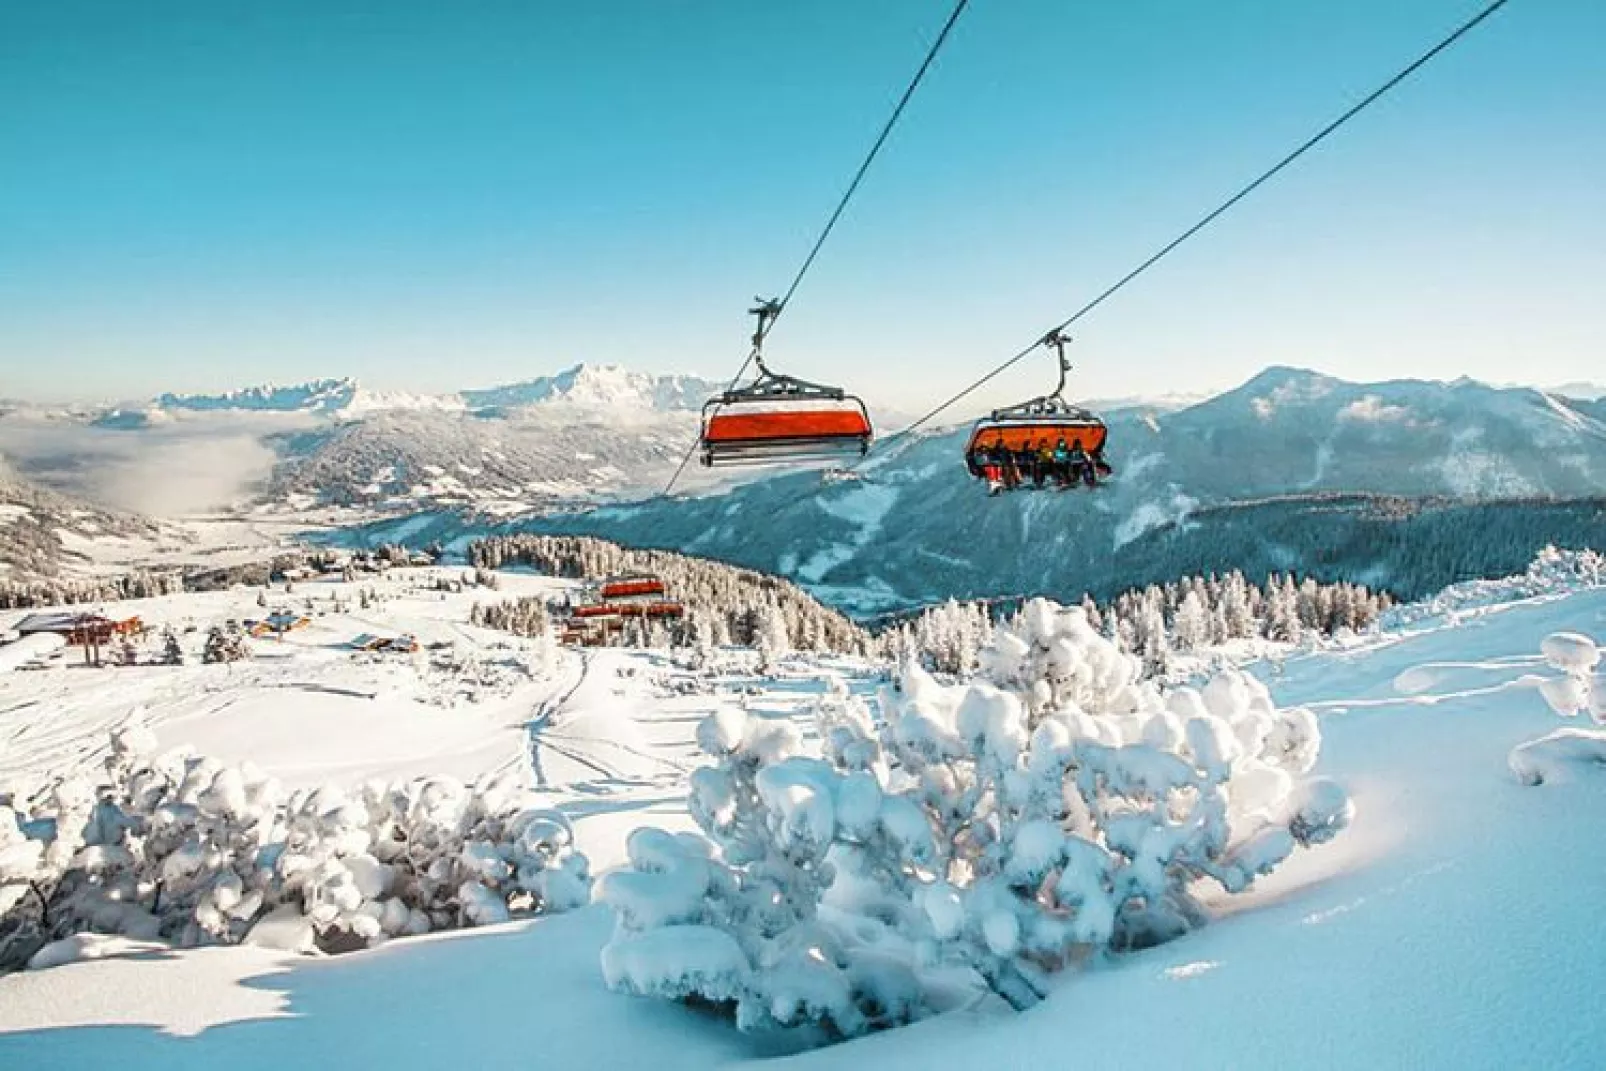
509 463
1374 950
917 528
1061 545
44 534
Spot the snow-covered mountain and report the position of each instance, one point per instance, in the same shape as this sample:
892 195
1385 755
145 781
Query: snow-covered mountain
320 395
593 434
603 387
588 432
1288 430
600 431
917 528
498 462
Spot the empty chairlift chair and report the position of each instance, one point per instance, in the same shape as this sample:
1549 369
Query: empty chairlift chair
778 419
631 587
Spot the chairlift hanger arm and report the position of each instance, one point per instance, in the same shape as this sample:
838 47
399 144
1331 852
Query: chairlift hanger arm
766 310
1053 404
1058 340
773 386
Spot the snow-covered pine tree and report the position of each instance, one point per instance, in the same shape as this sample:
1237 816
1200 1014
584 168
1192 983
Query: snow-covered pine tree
224 644
1192 623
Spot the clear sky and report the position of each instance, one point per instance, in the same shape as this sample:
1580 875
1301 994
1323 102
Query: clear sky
200 195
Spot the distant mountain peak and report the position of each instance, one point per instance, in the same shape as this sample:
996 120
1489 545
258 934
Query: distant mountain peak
1584 392
591 386
318 395
599 386
1275 376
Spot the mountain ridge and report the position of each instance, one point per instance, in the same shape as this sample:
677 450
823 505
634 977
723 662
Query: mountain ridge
913 526
599 386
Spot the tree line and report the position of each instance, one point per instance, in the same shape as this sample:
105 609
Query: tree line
1158 621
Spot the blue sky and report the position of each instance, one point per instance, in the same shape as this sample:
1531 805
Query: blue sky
202 195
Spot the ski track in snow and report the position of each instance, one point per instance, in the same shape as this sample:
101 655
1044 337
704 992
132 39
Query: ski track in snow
1444 929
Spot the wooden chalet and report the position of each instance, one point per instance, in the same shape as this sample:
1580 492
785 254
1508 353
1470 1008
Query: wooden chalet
78 629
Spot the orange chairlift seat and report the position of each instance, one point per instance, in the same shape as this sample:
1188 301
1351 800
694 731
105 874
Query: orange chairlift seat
778 418
657 608
631 587
1041 422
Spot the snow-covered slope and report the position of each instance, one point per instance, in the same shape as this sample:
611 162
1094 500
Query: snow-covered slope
1445 928
375 716
44 534
489 463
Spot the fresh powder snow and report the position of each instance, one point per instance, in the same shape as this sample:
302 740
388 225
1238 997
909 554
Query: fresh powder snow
1432 931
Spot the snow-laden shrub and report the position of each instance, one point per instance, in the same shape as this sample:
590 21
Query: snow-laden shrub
188 850
1054 809
1579 687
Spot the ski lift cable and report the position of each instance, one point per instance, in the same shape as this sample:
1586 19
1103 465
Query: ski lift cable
1204 222
780 305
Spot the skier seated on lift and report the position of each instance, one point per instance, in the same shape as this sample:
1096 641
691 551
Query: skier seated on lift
1045 462
990 459
1079 467
1062 463
989 464
1025 463
1008 462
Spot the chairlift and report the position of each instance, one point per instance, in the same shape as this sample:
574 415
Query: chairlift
631 586
1041 423
778 419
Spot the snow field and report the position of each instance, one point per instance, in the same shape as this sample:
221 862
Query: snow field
1433 933
306 708
130 835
